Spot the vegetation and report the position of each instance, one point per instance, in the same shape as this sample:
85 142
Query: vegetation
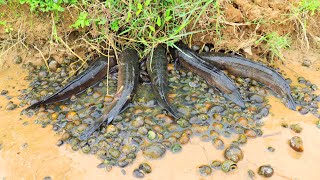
143 24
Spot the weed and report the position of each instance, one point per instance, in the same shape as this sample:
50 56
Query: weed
275 43
82 21
47 5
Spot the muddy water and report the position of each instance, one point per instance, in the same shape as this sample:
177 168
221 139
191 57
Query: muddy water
29 151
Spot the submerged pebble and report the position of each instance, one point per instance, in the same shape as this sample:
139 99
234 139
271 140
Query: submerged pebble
265 171
138 173
296 143
145 167
205 170
154 151
10 106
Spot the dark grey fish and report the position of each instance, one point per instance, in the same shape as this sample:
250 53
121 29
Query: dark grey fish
128 76
240 66
214 76
158 71
97 71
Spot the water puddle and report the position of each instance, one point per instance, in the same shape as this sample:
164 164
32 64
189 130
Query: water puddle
30 152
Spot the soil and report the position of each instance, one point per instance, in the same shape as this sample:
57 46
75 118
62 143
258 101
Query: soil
31 39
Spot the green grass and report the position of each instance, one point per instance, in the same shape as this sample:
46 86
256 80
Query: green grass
47 5
275 43
308 6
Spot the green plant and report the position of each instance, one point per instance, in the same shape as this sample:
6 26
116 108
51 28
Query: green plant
47 5
308 6
275 43
82 21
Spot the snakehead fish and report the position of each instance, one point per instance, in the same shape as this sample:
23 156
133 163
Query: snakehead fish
97 71
157 67
128 76
214 76
244 67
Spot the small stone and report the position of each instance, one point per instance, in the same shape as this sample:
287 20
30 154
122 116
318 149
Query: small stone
251 174
195 48
296 128
18 60
303 111
43 74
4 92
296 143
24 145
47 178
306 63
11 106
205 170
266 171
154 151
114 152
138 173
123 172
206 49
271 149
145 167
53 65
176 148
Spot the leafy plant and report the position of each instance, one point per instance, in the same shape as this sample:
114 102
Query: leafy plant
82 21
47 5
275 43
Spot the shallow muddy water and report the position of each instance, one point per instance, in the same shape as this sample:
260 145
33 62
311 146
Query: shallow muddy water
30 152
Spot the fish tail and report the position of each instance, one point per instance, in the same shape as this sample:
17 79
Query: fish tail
236 98
87 133
173 112
290 102
34 105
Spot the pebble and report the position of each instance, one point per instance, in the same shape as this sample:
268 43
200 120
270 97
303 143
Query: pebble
53 65
10 106
145 167
138 173
296 143
154 151
306 63
47 178
205 170
4 92
195 48
265 171
18 60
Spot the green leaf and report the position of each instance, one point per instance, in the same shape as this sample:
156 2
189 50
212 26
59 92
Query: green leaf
115 25
128 17
159 21
152 28
147 3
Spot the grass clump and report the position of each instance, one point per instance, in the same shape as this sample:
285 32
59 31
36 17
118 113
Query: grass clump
275 43
47 5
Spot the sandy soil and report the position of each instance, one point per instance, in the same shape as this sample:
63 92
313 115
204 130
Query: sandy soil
41 157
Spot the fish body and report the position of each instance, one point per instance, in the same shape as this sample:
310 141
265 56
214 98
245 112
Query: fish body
214 76
240 66
97 71
157 67
128 76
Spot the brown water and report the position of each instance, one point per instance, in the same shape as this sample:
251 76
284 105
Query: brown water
43 158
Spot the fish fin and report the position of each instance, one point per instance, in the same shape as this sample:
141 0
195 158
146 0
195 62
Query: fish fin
236 98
